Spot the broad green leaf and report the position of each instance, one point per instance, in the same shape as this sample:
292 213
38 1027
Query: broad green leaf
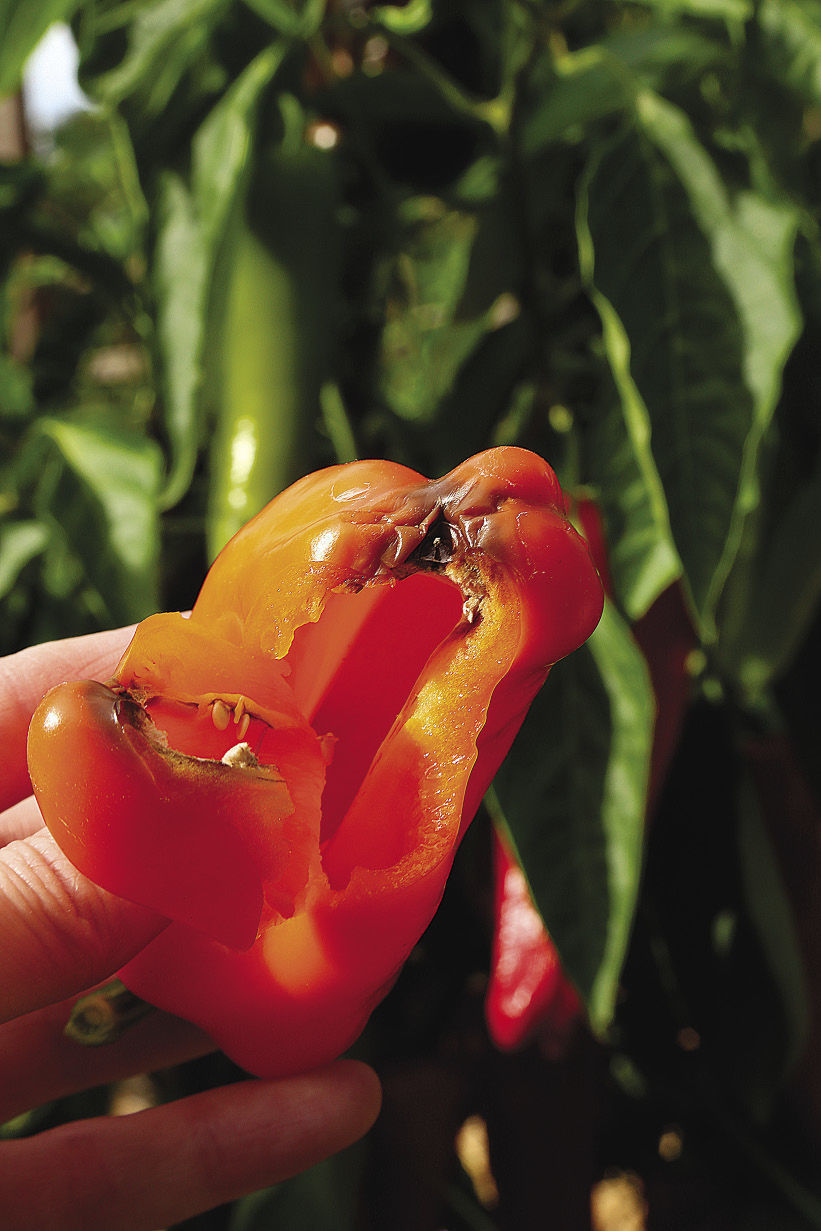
164 38
55 506
299 20
447 290
581 88
791 43
641 555
783 594
221 147
423 342
654 52
723 10
180 272
751 241
22 24
110 515
20 542
95 191
644 559
191 222
16 396
572 792
695 292
572 92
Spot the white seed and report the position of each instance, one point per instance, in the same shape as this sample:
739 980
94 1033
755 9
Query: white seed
240 757
220 715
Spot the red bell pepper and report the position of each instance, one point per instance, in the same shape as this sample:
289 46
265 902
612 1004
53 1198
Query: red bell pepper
286 774
529 997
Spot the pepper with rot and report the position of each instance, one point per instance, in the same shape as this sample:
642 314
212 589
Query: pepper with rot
286 774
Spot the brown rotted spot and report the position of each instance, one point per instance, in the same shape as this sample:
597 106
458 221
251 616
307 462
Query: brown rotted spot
437 548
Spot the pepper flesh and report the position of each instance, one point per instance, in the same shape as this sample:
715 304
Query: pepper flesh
287 773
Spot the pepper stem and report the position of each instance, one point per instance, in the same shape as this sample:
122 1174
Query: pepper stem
103 1015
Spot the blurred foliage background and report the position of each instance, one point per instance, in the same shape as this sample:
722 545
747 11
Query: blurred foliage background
290 232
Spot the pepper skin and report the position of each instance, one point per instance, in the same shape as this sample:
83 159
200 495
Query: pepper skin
286 774
529 997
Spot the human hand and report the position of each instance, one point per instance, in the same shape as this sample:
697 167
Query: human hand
61 935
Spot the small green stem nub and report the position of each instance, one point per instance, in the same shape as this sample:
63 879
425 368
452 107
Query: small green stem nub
103 1015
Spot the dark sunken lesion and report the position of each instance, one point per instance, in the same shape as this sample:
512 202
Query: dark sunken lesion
437 548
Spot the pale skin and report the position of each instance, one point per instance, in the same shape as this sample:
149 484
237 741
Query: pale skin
62 934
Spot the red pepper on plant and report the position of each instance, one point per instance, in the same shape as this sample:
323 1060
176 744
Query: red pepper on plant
287 773
529 997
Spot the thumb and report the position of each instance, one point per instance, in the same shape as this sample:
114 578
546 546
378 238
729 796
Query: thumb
61 933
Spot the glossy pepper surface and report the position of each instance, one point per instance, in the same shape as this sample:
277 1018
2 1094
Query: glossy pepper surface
286 773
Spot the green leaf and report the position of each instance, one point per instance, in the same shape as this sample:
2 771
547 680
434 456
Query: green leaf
752 244
221 147
572 792
641 556
164 38
180 270
299 20
695 292
574 91
571 93
722 10
408 18
108 512
190 226
791 43
423 344
447 290
20 542
580 89
16 395
22 24
337 422
783 594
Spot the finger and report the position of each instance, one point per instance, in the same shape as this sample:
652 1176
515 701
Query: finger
21 820
155 1168
26 677
38 1063
61 933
